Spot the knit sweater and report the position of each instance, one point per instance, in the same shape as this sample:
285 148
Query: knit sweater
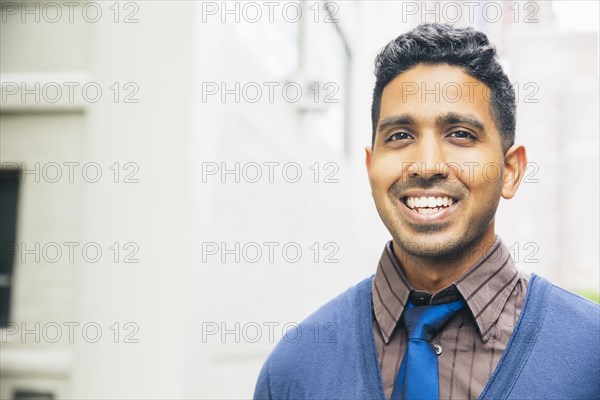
553 353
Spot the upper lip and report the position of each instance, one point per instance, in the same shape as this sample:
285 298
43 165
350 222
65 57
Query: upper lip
427 193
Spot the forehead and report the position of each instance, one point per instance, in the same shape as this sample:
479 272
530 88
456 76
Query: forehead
430 90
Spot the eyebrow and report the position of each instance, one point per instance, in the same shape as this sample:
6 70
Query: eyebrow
455 118
395 120
444 119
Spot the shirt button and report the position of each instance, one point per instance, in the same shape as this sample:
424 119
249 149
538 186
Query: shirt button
438 349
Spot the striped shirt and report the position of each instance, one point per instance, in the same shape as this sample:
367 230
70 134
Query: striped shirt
473 339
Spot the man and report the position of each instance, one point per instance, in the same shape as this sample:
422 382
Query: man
447 314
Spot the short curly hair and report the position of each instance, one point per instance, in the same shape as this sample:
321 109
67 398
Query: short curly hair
435 43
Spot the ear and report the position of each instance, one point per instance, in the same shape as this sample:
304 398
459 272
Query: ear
368 157
515 163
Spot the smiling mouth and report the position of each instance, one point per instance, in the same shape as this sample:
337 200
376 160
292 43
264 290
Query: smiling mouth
428 205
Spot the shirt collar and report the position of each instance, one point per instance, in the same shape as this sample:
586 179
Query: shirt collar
485 287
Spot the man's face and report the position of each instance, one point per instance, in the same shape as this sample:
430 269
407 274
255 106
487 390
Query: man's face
436 167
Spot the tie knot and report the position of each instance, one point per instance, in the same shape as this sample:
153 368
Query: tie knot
423 322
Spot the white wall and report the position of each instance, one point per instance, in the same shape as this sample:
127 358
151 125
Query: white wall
176 295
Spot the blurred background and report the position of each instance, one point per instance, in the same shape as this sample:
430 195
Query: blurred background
182 182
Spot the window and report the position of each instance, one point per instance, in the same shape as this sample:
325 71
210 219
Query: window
31 395
9 191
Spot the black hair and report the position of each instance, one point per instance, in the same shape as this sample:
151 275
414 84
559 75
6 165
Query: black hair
435 43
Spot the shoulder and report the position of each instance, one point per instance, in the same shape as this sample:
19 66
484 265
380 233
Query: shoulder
312 353
331 323
570 309
569 331
555 348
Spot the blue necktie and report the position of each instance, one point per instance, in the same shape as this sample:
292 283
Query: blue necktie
418 374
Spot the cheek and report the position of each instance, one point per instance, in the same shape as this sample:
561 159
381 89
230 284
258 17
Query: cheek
486 189
385 171
492 173
479 170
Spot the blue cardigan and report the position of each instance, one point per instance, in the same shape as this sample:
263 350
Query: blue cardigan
553 353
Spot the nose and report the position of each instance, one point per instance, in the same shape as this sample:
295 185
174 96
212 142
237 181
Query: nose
428 159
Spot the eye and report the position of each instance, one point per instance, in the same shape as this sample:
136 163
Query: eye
462 134
398 136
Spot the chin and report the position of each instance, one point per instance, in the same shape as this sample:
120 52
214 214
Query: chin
433 245
432 249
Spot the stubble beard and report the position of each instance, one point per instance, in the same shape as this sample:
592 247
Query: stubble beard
439 251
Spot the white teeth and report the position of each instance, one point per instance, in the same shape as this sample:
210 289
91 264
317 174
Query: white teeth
428 211
429 203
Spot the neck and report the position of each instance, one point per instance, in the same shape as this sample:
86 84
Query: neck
434 274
